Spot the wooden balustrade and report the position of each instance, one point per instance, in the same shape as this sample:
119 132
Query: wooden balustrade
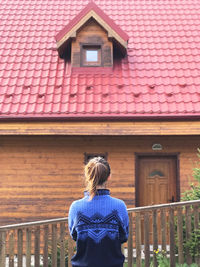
47 243
160 227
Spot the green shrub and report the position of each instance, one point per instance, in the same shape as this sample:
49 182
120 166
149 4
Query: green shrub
161 257
194 192
193 243
58 256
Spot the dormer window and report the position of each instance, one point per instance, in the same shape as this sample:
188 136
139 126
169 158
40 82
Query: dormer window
91 55
91 47
90 39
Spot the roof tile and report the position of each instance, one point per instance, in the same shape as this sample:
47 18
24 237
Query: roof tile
160 75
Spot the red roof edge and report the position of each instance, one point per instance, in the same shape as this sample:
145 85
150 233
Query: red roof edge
103 117
78 17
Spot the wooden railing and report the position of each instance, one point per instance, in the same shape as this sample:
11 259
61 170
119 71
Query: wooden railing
164 227
47 243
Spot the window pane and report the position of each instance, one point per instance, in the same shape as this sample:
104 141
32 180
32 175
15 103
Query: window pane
92 55
156 172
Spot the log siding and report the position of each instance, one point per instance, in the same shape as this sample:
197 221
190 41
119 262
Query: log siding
41 175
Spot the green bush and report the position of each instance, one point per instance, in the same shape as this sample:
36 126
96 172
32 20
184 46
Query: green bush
193 243
162 259
194 192
58 255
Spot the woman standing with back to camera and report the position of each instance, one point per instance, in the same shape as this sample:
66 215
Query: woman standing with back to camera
98 222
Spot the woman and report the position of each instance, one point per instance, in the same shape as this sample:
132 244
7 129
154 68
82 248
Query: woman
98 222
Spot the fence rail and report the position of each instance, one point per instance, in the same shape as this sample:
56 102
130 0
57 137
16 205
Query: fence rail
166 227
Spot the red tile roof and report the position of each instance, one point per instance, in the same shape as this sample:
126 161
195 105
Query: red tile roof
160 77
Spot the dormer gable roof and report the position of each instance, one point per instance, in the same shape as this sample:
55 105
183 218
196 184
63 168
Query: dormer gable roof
92 11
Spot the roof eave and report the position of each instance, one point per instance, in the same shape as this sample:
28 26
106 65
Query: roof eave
101 117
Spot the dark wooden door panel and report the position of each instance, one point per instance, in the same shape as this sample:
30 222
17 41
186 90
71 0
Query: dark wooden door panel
157 180
156 184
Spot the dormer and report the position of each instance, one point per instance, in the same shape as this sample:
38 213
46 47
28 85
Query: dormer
91 38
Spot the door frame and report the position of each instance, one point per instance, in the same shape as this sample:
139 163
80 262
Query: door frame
140 155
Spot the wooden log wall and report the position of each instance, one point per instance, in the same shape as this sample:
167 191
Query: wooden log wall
92 33
41 175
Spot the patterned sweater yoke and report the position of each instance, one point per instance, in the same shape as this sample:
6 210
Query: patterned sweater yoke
98 226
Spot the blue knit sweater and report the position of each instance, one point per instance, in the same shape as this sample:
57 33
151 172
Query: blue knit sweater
98 226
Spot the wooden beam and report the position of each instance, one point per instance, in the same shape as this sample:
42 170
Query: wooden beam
101 128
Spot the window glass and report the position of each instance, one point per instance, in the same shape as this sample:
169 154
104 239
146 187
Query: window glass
91 55
156 172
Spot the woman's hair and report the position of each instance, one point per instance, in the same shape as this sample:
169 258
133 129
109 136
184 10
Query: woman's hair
97 171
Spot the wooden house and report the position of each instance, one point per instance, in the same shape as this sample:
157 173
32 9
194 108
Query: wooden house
120 79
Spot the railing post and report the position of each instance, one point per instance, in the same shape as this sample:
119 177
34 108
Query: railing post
62 245
163 228
45 250
54 245
28 247
2 249
188 232
180 236
146 239
130 241
11 249
155 237
138 240
19 247
37 246
196 226
172 237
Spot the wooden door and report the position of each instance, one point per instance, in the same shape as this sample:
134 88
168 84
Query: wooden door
157 182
